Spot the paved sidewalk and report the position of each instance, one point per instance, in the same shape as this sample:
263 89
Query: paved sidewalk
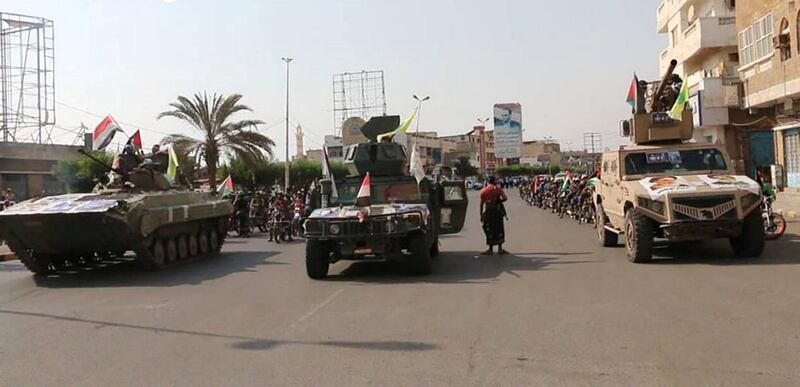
788 204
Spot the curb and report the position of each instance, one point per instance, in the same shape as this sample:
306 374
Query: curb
790 216
7 257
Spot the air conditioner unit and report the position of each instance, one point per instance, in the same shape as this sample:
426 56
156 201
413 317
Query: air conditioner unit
780 41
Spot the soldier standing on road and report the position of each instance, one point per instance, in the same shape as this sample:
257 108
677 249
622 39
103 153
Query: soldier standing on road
492 214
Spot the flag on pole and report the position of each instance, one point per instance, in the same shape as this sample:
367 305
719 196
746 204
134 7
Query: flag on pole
676 113
328 174
364 193
226 187
172 169
104 133
402 129
415 166
136 141
633 91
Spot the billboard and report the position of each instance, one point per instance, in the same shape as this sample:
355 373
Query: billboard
507 130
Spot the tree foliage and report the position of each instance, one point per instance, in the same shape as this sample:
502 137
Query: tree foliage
212 119
302 173
80 174
464 169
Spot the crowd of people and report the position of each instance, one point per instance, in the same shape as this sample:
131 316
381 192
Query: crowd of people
272 211
567 195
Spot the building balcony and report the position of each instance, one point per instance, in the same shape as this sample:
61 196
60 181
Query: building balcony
706 33
665 10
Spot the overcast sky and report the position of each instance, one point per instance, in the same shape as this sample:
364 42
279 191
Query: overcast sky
569 63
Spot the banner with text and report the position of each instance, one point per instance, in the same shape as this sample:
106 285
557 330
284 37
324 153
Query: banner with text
507 130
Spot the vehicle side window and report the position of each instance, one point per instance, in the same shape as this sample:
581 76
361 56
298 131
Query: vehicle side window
614 166
605 166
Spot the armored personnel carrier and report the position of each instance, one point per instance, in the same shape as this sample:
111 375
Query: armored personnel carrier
140 212
668 187
404 220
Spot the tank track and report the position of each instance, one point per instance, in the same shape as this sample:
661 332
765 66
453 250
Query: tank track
168 245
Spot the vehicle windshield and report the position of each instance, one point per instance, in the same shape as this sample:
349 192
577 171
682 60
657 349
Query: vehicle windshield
383 193
674 162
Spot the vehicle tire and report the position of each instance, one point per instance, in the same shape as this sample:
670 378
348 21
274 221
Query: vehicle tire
317 259
605 237
435 248
37 263
420 259
750 244
639 235
779 224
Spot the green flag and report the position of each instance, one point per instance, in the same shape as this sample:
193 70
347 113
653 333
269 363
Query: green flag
676 113
172 169
400 129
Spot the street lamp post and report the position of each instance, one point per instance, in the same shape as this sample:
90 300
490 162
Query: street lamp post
286 164
482 147
419 110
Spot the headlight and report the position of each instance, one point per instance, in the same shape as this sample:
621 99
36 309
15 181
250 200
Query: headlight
750 200
334 229
652 205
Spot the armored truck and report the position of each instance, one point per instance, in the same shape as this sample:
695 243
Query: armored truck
139 210
403 221
667 187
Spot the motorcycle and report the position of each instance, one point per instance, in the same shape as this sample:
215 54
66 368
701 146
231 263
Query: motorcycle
774 223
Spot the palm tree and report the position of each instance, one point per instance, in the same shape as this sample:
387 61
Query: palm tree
212 119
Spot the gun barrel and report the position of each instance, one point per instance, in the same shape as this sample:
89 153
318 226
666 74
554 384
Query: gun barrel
663 85
98 161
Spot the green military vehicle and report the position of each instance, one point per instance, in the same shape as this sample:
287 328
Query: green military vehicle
138 211
404 220
667 187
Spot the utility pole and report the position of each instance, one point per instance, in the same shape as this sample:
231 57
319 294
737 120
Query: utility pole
592 142
286 164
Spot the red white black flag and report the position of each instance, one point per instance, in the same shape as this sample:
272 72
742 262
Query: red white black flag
104 133
364 193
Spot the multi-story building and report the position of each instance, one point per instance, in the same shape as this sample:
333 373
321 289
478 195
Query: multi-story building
769 53
702 37
541 153
335 148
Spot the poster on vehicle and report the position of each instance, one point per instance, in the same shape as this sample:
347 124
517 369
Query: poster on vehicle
723 181
659 186
507 130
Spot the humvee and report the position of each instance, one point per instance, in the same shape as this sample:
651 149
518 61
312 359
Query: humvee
667 187
402 223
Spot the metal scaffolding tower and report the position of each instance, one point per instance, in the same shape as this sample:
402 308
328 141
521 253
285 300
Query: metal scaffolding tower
27 83
360 94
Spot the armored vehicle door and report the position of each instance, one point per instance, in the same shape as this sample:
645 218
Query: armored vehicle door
454 207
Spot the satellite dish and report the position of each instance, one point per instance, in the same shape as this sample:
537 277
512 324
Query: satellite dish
691 14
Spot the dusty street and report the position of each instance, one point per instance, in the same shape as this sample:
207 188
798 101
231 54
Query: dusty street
560 310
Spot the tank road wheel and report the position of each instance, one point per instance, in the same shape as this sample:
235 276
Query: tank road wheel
213 241
317 258
606 238
158 255
192 245
171 250
750 244
37 263
183 247
420 259
639 234
202 243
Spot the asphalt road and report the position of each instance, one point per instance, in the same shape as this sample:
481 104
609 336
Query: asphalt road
560 310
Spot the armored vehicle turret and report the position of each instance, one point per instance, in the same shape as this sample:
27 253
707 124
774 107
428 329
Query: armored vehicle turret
378 158
138 210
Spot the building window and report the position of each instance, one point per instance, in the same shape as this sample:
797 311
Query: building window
784 40
755 42
674 36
